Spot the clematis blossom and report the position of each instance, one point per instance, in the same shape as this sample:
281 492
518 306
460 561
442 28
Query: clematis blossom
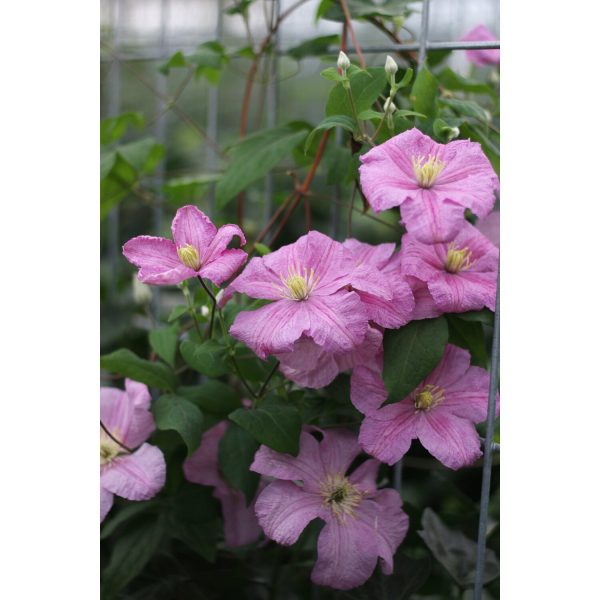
460 275
440 412
240 524
432 183
362 524
135 475
307 284
198 249
485 56
490 227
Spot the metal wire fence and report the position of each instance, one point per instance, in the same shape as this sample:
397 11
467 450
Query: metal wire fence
161 52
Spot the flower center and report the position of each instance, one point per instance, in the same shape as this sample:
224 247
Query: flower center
340 495
427 172
458 259
109 449
298 284
189 256
429 396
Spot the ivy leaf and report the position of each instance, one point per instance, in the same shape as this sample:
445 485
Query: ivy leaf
275 425
343 121
128 364
424 93
236 453
366 85
214 397
314 47
253 157
411 353
180 415
208 358
164 342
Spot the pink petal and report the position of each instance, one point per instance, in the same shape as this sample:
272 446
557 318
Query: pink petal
338 449
452 440
365 476
239 521
490 227
106 502
369 279
373 255
306 467
309 374
137 476
464 291
157 260
202 466
221 240
482 57
223 266
425 307
138 393
388 432
191 226
283 510
422 261
432 216
383 514
455 362
257 281
347 554
468 396
115 410
367 390
392 313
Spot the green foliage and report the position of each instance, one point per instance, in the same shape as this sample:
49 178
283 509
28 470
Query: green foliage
176 413
411 353
275 425
164 343
188 190
362 9
126 363
366 86
467 108
424 93
212 396
343 121
114 128
236 453
208 358
207 61
314 47
254 156
469 335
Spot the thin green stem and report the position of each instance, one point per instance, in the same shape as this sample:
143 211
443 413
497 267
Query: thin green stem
266 382
214 306
191 309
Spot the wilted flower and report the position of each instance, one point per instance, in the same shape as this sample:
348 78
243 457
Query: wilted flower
432 183
362 523
124 471
239 520
198 249
440 412
482 57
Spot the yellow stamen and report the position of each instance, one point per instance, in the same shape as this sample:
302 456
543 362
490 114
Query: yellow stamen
189 256
427 397
298 284
458 259
426 173
340 495
109 449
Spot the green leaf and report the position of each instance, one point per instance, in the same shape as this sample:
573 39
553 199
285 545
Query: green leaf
236 453
424 93
362 9
124 515
275 425
411 353
114 128
470 336
209 59
467 108
131 552
208 358
128 364
485 316
164 342
455 82
366 85
180 415
188 190
343 121
253 157
443 131
332 74
314 47
262 249
178 312
175 62
202 538
214 397
406 79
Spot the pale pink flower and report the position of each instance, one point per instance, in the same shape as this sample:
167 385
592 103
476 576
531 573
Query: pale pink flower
239 520
440 412
362 523
482 57
138 475
307 282
198 249
432 183
490 227
460 275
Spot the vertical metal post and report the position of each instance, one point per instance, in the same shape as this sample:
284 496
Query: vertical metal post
212 119
272 107
335 210
487 450
114 107
424 33
160 82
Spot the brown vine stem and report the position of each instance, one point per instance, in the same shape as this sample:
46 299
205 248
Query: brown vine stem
361 58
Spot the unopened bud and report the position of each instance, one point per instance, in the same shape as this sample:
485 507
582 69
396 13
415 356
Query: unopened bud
452 133
343 62
142 294
389 106
391 68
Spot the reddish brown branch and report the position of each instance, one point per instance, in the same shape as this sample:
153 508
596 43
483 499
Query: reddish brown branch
361 58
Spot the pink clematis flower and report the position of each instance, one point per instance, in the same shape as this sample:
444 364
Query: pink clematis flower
482 57
138 475
240 524
441 413
432 183
307 282
460 275
490 227
362 523
198 249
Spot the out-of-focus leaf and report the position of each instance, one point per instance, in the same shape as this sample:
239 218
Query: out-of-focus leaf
314 47
128 364
176 61
362 9
113 129
214 397
208 358
455 82
467 108
455 551
343 121
209 60
424 93
177 312
176 413
332 74
485 316
262 249
366 85
124 515
188 190
469 335
164 343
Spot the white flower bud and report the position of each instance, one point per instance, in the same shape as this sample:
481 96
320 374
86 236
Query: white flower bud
453 133
343 62
142 293
389 106
391 67
204 311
